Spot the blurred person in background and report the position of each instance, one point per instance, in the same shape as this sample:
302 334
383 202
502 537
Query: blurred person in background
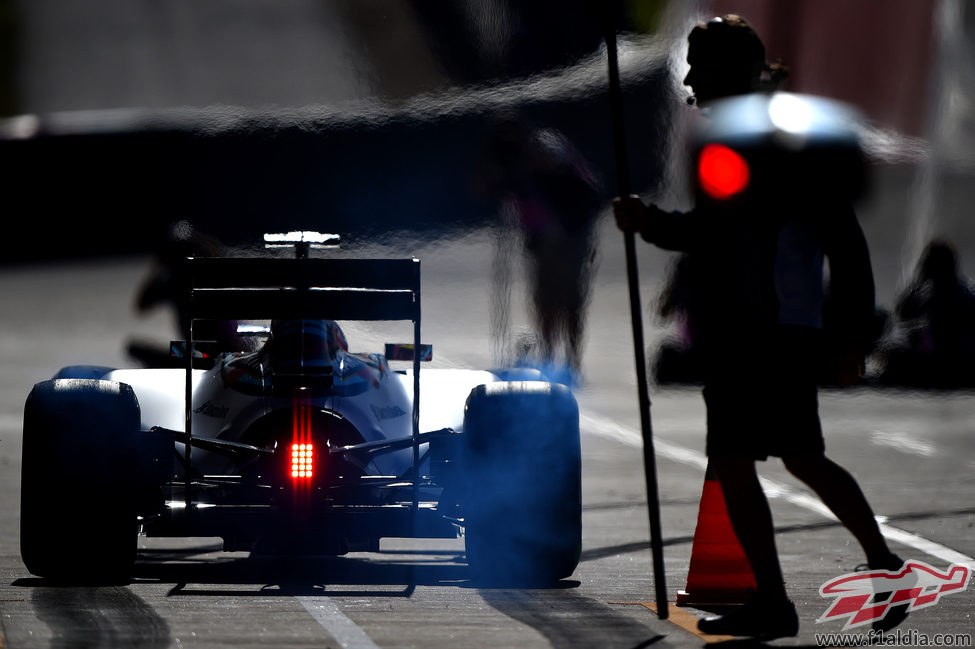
678 358
167 285
757 278
550 199
935 315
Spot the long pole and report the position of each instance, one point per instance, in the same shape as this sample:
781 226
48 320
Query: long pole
649 459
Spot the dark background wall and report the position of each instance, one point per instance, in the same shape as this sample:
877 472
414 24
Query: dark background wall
367 116
356 117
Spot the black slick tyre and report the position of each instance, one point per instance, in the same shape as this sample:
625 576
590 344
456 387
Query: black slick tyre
522 499
78 519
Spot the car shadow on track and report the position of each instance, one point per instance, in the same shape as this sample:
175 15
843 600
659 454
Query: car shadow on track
206 571
296 575
98 617
568 619
202 571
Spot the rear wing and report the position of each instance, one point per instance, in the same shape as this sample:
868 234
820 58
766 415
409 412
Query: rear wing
333 289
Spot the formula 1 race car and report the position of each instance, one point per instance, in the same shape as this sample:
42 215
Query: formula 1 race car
300 446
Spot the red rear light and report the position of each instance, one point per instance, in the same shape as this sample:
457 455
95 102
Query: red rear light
721 171
302 461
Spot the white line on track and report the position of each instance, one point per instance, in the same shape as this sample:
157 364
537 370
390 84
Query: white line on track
773 489
340 627
904 443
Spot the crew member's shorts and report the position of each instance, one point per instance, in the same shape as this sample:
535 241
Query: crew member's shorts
762 399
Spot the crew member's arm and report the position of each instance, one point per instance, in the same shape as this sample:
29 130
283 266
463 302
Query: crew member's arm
667 230
852 295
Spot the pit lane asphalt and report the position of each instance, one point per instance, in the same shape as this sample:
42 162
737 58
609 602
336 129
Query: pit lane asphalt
913 454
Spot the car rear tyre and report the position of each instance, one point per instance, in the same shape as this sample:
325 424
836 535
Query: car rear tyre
78 520
522 483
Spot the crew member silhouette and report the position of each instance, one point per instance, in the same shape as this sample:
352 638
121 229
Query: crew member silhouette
758 279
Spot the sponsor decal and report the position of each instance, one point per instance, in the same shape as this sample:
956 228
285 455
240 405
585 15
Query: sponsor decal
209 409
387 412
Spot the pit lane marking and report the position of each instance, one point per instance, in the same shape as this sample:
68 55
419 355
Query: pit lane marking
608 428
680 618
327 613
903 443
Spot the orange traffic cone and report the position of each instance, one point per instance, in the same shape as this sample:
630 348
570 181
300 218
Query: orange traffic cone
719 572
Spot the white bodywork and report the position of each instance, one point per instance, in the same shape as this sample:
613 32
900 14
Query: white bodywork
222 411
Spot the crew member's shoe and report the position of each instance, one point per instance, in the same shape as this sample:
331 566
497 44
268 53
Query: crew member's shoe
759 617
895 614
